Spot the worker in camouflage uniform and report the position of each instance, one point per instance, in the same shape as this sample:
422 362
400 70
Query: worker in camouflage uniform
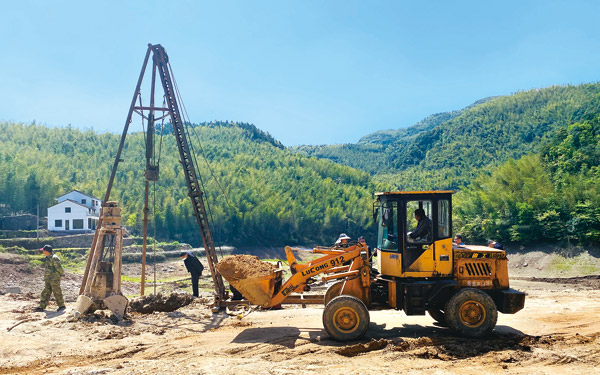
52 275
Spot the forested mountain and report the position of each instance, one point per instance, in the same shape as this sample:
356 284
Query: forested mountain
553 196
449 149
258 191
526 165
376 153
527 168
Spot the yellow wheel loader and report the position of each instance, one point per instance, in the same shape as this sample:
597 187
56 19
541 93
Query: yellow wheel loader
417 270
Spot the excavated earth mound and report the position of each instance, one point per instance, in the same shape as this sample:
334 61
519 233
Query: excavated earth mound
590 281
254 278
244 267
160 302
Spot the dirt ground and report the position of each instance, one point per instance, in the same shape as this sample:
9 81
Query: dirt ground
558 332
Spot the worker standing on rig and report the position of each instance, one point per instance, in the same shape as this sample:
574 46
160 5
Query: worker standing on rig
194 267
53 273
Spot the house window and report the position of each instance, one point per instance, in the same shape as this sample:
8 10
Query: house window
83 201
67 209
58 223
77 223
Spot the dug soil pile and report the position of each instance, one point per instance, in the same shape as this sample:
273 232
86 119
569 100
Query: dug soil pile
160 302
254 278
591 281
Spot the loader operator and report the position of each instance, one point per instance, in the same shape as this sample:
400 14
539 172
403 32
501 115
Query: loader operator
423 230
52 274
194 267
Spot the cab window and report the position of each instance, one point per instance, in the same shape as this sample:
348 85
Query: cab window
443 218
419 231
387 238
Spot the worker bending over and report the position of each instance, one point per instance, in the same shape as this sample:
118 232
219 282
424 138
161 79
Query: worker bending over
194 267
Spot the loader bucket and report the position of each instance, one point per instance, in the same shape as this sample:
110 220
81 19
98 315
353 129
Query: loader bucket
252 277
256 290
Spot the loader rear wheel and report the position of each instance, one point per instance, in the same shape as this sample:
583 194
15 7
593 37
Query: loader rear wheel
332 292
438 315
346 318
471 312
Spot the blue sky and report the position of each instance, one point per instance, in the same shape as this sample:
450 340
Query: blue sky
308 72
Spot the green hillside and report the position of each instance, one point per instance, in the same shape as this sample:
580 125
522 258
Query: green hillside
449 149
372 153
527 168
258 191
553 196
376 153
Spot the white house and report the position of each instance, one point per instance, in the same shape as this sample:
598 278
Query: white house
75 212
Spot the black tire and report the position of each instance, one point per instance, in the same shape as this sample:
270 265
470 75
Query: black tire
332 292
438 315
471 312
346 318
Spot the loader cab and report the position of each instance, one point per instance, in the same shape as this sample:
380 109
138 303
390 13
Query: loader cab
402 255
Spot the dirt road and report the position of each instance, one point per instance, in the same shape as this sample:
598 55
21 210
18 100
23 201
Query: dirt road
558 332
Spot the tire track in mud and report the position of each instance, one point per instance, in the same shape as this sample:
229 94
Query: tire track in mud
69 361
553 349
548 349
506 350
277 349
500 349
557 349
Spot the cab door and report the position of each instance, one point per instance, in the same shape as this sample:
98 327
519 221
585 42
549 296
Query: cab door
418 253
389 257
443 256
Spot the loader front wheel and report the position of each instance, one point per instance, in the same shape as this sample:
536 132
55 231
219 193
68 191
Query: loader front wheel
471 312
346 318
